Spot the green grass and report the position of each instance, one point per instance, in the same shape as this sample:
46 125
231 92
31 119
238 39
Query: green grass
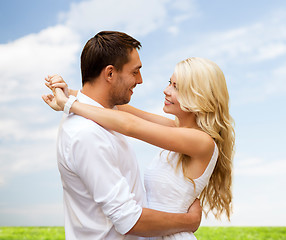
241 233
32 233
204 233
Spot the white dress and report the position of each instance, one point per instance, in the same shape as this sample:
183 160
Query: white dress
169 191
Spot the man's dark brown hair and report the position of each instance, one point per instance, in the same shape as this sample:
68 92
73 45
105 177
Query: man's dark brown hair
106 48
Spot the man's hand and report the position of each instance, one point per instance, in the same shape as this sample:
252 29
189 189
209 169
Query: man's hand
195 212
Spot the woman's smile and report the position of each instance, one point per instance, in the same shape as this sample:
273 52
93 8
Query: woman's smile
168 102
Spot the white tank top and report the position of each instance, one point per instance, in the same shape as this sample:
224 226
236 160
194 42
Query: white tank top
169 191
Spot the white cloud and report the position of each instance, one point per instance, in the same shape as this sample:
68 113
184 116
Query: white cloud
13 129
187 9
26 61
34 215
271 50
173 30
260 85
28 129
23 65
2 181
134 17
254 167
257 42
139 18
21 159
262 210
246 54
254 43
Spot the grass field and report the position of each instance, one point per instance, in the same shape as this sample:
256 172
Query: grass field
204 233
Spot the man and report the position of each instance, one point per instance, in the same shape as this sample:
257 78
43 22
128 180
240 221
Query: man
103 193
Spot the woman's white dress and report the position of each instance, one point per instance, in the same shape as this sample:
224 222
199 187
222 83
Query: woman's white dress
169 191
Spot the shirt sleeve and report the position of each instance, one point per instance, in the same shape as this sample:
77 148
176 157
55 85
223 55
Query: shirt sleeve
97 164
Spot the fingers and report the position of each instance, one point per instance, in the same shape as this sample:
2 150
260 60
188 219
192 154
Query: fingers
55 81
51 101
50 97
46 99
48 85
58 85
59 94
59 89
49 77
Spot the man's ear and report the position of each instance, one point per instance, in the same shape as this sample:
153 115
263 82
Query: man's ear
109 72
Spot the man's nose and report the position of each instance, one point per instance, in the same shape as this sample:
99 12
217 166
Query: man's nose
139 78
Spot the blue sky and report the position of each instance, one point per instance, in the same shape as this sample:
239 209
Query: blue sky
247 39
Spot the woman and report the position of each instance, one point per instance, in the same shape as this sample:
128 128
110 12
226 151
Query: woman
200 142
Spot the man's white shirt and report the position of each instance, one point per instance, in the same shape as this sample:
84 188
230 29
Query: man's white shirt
102 188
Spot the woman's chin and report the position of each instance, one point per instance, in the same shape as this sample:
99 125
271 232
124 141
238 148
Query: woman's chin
165 110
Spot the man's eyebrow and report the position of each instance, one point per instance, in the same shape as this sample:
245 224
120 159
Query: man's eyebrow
138 67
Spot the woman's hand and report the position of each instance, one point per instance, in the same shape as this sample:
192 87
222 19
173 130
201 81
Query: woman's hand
51 101
56 81
59 98
56 101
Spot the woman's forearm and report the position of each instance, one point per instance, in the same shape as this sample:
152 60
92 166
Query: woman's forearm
139 113
73 92
147 115
118 121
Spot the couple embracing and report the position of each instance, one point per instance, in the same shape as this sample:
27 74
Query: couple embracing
104 197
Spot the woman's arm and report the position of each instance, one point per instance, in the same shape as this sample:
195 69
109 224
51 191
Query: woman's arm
57 81
72 92
188 141
147 116
191 142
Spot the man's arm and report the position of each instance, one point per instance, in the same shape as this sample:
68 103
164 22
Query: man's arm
156 223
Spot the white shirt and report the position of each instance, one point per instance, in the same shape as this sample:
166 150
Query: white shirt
102 188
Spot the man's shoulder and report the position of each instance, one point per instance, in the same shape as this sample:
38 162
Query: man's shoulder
75 125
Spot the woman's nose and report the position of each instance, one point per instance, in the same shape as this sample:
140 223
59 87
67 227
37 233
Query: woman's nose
167 90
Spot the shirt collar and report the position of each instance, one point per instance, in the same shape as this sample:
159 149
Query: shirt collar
85 99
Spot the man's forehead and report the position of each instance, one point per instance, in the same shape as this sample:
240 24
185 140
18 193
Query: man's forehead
134 60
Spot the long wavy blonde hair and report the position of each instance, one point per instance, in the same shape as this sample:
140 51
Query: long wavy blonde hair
202 90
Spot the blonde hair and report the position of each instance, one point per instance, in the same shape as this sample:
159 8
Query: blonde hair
202 90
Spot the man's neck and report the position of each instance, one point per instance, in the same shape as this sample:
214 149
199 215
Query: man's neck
97 93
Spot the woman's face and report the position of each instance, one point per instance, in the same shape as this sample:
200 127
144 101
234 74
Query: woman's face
171 104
